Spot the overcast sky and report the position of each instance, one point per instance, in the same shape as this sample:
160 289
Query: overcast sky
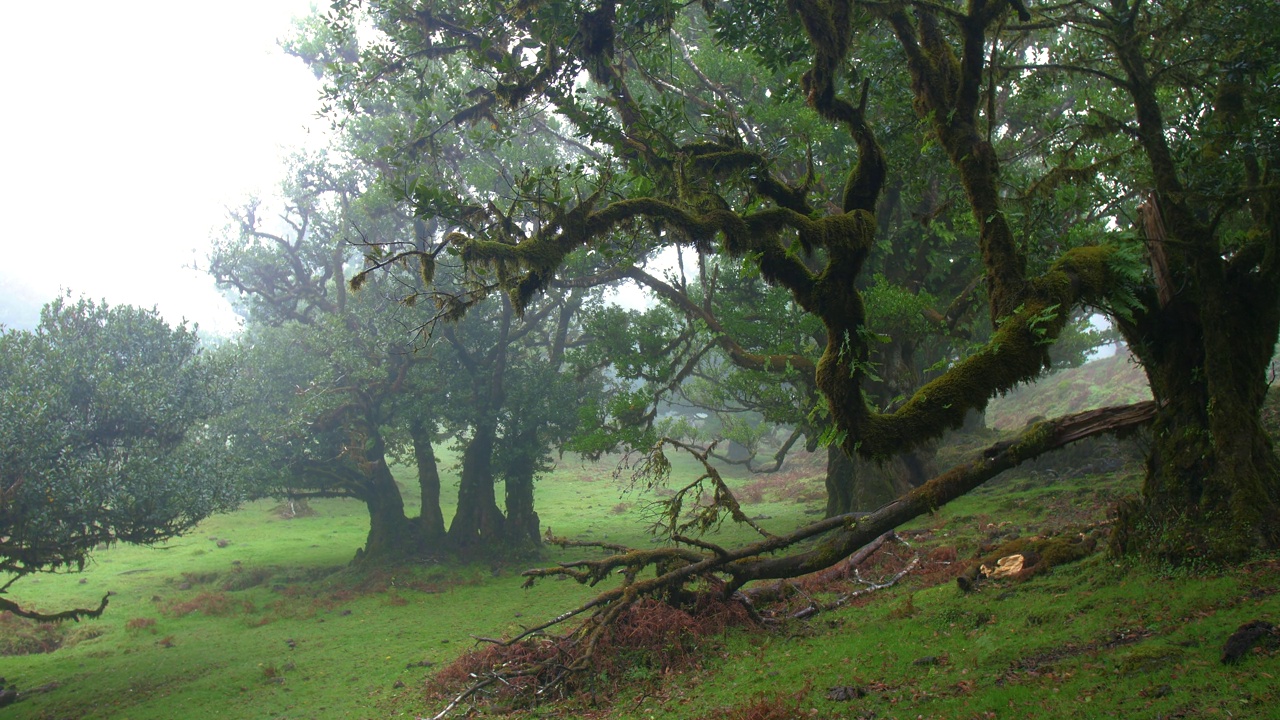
127 128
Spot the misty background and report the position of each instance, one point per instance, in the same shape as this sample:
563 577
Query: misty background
128 130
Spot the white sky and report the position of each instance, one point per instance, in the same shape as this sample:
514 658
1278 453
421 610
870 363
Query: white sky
126 130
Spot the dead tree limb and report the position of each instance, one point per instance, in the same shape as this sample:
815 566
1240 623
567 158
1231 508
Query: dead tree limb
725 570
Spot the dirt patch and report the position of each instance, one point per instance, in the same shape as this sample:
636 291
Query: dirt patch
1043 661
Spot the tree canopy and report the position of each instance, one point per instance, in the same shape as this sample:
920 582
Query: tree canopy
104 438
1118 157
975 175
339 384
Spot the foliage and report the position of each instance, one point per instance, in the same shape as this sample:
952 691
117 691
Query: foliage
951 151
104 428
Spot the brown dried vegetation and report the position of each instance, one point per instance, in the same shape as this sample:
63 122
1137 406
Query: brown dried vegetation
647 641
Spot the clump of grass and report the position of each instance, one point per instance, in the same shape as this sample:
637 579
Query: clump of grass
620 509
765 707
906 609
1149 659
20 636
212 604
138 624
241 579
199 578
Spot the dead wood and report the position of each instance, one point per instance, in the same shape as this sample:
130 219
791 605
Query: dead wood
724 571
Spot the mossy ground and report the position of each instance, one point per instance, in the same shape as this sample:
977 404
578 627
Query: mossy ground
254 616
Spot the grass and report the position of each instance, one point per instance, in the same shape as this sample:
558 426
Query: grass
255 616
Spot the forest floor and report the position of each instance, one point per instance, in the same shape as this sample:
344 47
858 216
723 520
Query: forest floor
258 615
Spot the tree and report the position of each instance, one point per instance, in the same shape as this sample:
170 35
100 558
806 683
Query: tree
342 383
104 438
1191 119
1051 126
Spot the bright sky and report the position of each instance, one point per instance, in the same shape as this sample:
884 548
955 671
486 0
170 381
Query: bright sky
126 130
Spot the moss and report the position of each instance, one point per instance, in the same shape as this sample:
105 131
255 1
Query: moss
1040 556
1149 659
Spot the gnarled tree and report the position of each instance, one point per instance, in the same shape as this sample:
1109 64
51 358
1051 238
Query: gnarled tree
1052 123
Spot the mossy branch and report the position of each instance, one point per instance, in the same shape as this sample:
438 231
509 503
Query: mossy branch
74 614
1016 352
540 256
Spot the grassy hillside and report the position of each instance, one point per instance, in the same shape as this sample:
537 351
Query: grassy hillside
256 616
1115 380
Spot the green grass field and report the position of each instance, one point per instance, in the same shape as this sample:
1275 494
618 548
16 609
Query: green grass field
256 616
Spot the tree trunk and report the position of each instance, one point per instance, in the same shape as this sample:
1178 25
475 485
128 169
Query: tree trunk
858 485
1212 486
478 521
430 518
522 522
1212 489
391 535
841 481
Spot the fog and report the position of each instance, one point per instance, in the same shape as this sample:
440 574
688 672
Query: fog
128 130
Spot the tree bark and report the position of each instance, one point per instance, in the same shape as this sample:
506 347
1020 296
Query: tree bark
841 481
391 535
1212 489
522 523
430 517
478 521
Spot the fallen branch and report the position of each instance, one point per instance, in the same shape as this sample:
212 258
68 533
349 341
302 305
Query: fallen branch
723 571
854 560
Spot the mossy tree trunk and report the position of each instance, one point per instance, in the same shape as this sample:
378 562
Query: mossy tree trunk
1213 480
478 521
522 524
391 534
430 517
842 481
